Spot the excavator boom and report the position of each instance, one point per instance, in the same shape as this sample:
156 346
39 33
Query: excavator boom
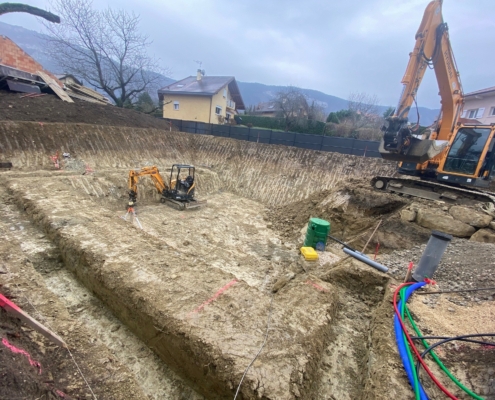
153 172
432 50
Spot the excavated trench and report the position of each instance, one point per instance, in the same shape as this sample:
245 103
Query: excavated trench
184 303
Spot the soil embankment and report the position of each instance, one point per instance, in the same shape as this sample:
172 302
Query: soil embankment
196 287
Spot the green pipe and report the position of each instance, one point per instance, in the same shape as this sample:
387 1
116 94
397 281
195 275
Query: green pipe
438 361
408 349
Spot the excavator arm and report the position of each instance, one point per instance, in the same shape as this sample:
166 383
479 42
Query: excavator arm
432 50
133 180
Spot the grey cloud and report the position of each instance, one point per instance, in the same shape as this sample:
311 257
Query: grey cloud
337 47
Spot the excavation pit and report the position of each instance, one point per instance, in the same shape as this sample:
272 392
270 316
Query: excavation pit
200 302
196 286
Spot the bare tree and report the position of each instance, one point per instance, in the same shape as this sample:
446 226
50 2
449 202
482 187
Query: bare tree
316 112
17 7
364 109
292 105
105 49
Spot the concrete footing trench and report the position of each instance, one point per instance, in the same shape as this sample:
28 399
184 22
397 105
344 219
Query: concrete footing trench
180 308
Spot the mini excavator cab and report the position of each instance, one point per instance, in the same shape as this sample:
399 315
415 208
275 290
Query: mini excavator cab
182 183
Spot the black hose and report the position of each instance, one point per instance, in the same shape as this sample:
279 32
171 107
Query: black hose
448 337
451 339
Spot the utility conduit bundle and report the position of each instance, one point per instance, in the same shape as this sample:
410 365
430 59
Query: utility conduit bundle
405 344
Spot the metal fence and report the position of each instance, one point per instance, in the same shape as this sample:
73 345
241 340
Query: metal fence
355 147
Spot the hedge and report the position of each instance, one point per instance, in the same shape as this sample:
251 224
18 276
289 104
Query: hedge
302 125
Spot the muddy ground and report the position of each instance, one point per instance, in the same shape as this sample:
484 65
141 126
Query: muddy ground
179 308
234 235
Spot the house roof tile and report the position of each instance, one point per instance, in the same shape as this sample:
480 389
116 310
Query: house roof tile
206 86
481 91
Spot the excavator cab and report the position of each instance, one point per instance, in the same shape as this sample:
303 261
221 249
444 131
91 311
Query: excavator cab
182 182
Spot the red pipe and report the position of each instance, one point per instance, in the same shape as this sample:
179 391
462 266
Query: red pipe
416 352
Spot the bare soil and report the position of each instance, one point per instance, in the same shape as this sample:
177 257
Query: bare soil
354 210
50 108
180 308
23 247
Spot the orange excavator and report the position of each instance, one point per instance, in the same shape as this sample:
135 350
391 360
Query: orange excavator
179 191
456 156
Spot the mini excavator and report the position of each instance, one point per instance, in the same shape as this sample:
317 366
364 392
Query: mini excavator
458 156
179 191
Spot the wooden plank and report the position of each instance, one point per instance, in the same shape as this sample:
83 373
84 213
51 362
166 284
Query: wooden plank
86 91
55 87
85 98
13 309
94 93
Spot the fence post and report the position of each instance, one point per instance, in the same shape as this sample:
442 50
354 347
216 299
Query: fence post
196 127
352 146
230 130
295 137
321 143
249 132
270 137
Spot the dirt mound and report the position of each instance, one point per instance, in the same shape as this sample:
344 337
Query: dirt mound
50 108
353 208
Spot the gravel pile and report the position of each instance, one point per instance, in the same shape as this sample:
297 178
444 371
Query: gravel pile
464 265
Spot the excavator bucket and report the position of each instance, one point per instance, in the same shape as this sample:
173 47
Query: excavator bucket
418 152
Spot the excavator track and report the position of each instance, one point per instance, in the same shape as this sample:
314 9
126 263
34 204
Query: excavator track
432 190
184 205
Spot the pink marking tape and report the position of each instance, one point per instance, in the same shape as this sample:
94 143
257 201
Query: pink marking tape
14 349
214 297
6 302
316 286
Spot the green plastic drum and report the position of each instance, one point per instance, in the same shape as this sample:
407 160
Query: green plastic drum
318 230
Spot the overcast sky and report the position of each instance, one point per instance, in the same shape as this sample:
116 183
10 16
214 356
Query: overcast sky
337 46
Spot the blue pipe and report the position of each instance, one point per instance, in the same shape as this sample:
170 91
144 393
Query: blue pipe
401 344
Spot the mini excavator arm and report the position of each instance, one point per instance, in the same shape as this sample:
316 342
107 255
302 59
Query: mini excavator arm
133 180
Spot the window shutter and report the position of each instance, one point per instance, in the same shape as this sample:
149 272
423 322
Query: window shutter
464 114
480 113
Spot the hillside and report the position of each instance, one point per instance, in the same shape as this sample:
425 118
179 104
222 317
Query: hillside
253 93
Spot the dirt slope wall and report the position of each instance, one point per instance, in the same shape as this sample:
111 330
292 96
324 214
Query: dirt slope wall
267 173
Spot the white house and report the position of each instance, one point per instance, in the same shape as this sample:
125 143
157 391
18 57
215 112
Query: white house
480 105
